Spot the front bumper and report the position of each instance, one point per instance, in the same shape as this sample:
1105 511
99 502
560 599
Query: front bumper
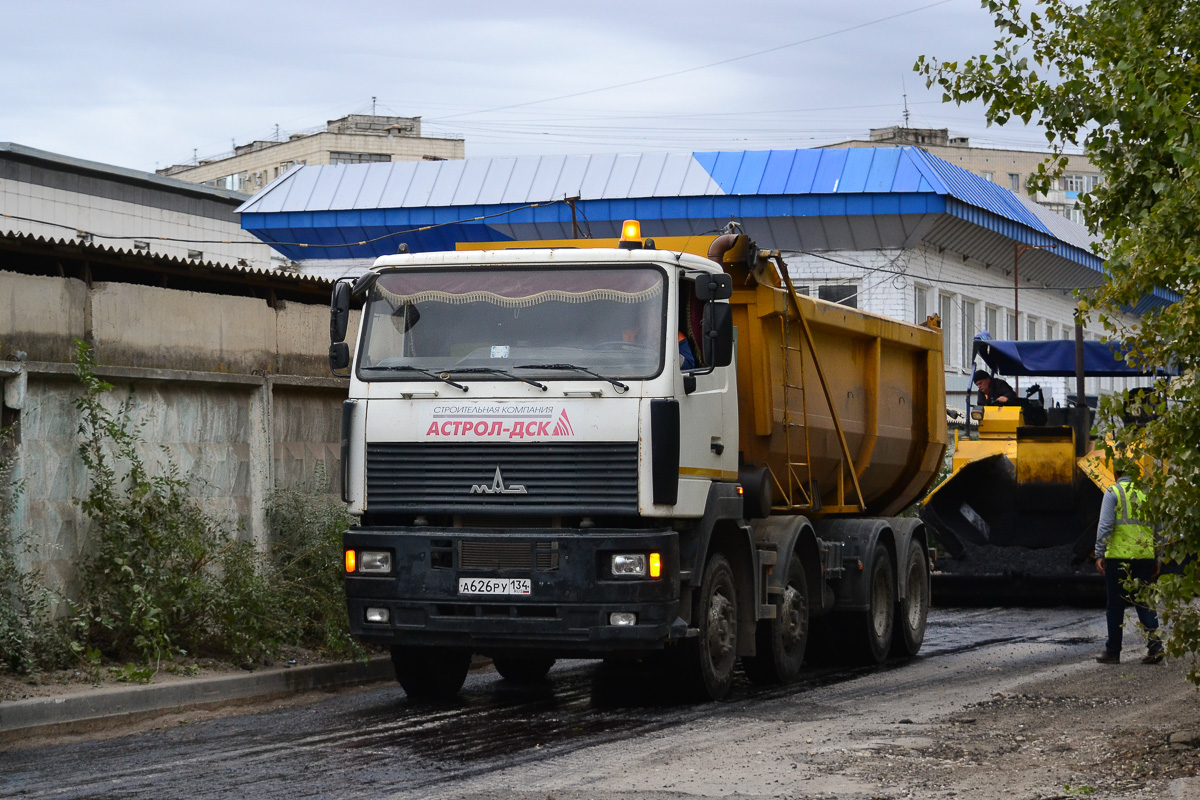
566 612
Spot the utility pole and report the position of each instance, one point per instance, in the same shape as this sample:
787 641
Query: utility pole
574 221
1018 251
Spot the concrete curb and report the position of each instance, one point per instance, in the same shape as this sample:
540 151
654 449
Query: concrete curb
89 710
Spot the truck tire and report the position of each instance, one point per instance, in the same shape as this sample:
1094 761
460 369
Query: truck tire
708 660
868 634
908 630
780 642
523 670
431 673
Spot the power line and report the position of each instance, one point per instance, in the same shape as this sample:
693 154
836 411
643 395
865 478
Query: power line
1007 286
777 48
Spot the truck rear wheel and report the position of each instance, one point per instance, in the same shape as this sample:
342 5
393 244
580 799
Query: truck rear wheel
523 670
868 634
709 658
780 642
431 673
908 630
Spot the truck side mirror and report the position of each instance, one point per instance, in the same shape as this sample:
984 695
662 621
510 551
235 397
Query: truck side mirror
339 356
718 334
339 312
714 286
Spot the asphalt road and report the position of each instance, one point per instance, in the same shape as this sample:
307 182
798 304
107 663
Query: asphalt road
587 733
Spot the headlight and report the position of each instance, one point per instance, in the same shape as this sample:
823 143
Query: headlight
374 562
632 565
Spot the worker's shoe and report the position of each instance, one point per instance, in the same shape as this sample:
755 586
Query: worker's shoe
1153 658
1107 658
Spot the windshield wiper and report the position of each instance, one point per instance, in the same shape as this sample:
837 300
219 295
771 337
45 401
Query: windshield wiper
494 371
617 384
444 377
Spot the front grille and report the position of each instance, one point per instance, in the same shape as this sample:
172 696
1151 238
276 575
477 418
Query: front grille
492 554
502 478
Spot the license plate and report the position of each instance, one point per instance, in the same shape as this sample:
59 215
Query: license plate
506 586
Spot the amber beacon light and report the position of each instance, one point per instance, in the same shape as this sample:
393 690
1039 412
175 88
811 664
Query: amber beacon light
350 559
631 235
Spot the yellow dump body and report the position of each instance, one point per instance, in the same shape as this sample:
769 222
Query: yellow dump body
845 408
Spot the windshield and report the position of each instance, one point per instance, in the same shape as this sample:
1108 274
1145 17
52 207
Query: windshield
608 321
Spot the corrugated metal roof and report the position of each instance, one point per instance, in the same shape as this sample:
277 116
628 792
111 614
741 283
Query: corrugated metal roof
139 256
816 199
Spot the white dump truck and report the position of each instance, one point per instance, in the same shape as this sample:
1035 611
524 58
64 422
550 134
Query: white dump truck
630 450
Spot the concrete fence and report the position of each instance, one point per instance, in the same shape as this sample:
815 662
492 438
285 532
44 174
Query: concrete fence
232 391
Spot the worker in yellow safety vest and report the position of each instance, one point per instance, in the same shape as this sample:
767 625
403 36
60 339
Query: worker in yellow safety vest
1125 549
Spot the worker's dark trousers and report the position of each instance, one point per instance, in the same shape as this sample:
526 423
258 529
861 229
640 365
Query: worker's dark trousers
1116 570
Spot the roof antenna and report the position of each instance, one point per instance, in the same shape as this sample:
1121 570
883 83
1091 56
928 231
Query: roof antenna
905 95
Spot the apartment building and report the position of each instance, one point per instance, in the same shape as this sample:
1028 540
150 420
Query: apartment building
353 139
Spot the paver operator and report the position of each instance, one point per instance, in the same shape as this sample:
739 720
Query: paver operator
992 391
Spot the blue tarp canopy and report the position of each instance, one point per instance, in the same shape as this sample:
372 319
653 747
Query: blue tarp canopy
1056 359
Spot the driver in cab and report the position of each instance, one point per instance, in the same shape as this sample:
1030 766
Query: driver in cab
687 360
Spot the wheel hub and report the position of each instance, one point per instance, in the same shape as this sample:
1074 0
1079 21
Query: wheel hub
880 604
791 623
720 628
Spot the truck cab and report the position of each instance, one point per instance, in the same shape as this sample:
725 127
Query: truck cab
526 430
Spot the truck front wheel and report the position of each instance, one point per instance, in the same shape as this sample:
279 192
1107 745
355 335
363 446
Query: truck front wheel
780 642
709 658
431 673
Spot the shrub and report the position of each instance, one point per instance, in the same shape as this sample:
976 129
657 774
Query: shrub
306 556
163 577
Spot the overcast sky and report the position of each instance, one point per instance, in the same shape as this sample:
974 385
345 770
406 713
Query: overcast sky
147 84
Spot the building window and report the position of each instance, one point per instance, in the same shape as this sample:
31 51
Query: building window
1011 330
1092 182
1031 328
988 176
920 304
992 324
846 294
1072 183
358 158
1050 332
234 183
968 331
1014 182
946 303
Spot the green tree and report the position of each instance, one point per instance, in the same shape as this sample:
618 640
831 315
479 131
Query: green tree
1120 79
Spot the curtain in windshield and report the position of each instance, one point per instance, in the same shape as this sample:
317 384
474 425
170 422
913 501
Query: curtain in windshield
606 320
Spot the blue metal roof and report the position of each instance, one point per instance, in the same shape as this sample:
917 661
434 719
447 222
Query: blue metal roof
814 199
